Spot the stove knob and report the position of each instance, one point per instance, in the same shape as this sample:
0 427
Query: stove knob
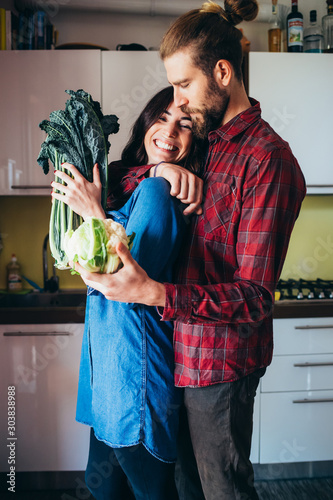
311 295
321 295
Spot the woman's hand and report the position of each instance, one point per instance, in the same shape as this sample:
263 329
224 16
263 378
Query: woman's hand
82 196
130 284
185 185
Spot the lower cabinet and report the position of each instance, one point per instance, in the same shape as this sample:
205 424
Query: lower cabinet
41 365
293 411
296 393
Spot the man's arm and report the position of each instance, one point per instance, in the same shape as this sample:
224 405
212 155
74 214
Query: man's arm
271 203
271 199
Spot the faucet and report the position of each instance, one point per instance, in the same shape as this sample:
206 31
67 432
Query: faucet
50 284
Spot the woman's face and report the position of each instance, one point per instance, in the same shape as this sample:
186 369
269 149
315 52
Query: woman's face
170 138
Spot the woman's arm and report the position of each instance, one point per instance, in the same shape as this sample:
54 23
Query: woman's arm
82 196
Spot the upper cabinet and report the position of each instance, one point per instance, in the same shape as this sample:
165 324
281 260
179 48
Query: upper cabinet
296 96
129 80
33 84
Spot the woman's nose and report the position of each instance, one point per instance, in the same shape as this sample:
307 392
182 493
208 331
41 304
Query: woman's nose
170 130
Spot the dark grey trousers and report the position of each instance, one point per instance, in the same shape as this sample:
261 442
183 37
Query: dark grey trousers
218 421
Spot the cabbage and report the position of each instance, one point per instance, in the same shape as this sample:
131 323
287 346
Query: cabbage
93 245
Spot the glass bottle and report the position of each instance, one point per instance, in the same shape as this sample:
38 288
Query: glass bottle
274 32
328 27
14 279
313 35
295 29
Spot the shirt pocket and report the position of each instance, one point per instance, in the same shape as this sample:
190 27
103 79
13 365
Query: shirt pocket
218 209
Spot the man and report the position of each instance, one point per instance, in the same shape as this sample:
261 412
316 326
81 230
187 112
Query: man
222 303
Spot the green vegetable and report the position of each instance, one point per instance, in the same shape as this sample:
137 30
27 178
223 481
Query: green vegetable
77 135
93 244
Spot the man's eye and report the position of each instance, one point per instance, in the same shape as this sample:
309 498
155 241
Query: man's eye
184 85
183 125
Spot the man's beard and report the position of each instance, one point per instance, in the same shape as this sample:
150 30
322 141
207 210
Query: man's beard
210 114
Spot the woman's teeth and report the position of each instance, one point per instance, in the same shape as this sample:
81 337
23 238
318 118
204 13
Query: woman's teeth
163 145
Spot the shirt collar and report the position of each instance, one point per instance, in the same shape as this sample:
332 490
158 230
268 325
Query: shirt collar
239 123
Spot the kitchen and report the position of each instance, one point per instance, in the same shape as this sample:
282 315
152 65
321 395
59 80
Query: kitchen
309 256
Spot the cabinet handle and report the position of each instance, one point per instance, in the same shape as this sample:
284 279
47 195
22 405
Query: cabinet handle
328 400
306 365
320 185
312 327
29 187
35 334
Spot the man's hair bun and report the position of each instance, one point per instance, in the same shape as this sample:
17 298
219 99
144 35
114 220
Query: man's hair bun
235 11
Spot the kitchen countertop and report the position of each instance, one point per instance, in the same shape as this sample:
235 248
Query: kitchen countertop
75 314
315 308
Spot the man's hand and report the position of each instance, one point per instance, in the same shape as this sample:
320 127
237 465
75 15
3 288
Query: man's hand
82 196
185 185
130 284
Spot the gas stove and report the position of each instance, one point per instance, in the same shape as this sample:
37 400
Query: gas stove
305 289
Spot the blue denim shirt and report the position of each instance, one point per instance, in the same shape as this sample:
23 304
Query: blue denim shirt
126 385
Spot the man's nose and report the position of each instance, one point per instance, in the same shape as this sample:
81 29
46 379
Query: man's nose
178 98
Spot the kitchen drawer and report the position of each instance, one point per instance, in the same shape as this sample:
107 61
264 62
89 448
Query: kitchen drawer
303 336
296 431
306 372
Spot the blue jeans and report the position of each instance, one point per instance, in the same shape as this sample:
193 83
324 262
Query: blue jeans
128 473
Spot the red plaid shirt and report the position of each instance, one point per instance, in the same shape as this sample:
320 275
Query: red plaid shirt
234 252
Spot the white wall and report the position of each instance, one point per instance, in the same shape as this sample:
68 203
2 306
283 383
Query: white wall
109 29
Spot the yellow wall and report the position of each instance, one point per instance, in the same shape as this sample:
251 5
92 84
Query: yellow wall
24 224
310 253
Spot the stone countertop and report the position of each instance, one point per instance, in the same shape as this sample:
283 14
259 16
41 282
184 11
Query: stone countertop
76 314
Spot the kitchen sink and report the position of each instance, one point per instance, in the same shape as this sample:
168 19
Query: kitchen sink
62 298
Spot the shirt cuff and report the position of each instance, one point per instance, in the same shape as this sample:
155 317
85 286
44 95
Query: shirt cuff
177 303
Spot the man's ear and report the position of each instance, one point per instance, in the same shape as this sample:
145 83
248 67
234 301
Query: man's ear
223 72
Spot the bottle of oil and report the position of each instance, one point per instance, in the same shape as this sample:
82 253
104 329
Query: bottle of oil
14 279
274 32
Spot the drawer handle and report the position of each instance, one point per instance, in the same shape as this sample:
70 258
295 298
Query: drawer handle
306 365
312 327
29 187
35 334
328 400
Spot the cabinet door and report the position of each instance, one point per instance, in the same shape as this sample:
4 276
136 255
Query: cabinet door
32 85
129 80
42 363
254 457
296 96
296 427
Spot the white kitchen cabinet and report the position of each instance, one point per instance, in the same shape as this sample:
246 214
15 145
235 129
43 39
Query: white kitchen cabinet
296 400
42 363
296 96
129 80
33 84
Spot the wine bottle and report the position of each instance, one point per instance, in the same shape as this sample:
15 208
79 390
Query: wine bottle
295 29
328 27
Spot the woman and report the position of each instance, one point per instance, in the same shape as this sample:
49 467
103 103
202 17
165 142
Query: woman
126 391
